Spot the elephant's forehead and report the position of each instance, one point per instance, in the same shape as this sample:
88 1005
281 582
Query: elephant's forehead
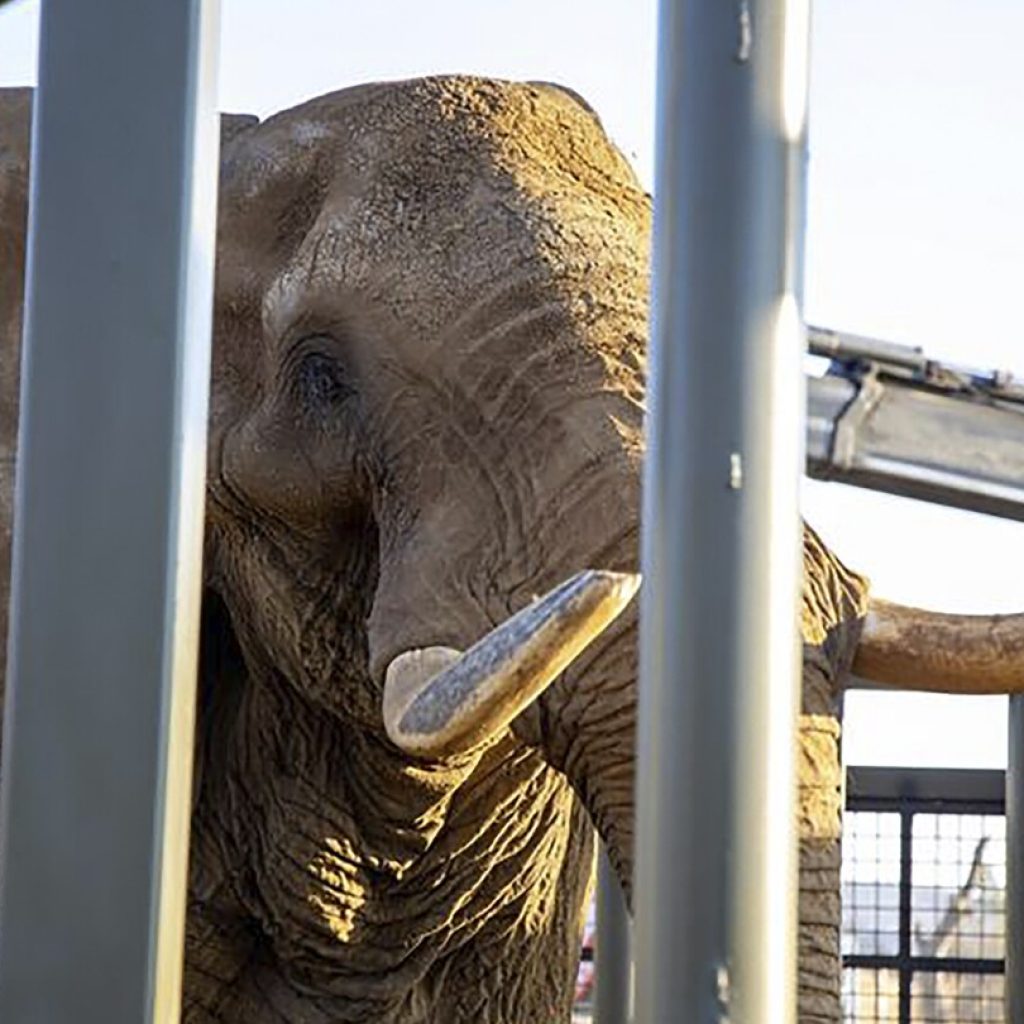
432 126
430 188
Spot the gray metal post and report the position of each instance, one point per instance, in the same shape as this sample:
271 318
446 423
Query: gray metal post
716 862
1015 864
108 521
613 999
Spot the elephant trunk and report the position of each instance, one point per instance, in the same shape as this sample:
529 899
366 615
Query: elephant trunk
586 724
584 719
598 759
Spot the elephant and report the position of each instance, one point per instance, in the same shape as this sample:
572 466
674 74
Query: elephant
426 409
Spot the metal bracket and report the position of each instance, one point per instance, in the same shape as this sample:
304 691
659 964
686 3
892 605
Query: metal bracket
887 417
853 417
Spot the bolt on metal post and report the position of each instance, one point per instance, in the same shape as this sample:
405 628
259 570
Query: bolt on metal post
716 851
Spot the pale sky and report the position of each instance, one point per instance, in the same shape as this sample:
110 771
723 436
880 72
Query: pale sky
916 226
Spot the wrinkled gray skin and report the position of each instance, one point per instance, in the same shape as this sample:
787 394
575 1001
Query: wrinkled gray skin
431 310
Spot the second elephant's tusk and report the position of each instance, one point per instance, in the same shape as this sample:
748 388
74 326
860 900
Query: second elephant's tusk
438 703
912 649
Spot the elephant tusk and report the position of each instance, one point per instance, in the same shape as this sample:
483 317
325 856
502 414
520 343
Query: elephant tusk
912 649
439 703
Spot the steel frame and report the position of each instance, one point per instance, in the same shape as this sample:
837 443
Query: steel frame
716 855
101 668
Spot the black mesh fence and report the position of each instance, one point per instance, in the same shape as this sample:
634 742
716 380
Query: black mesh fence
923 889
924 884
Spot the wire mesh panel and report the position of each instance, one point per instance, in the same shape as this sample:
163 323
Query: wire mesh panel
957 903
871 898
871 994
943 997
924 888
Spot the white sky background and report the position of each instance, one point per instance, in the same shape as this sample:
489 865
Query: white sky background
916 226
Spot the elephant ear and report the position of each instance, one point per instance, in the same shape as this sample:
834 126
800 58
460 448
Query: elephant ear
570 93
233 125
564 94
15 131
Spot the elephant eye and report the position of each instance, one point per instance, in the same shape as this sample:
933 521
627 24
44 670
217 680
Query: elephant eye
320 381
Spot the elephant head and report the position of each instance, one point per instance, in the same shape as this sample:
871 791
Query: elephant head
426 409
426 413
427 365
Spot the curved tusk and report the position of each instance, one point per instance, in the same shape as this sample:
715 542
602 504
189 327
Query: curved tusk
438 703
911 649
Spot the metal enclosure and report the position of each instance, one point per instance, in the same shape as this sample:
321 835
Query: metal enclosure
887 417
716 861
108 521
96 754
613 1002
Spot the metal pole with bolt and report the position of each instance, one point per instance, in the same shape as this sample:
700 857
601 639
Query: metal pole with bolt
716 853
105 593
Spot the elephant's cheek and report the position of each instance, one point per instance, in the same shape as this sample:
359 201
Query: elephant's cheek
262 467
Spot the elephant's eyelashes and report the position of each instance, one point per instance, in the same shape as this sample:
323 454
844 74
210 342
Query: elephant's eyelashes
320 381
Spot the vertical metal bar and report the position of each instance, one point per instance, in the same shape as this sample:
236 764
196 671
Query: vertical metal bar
1015 864
613 1000
906 974
108 520
716 865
